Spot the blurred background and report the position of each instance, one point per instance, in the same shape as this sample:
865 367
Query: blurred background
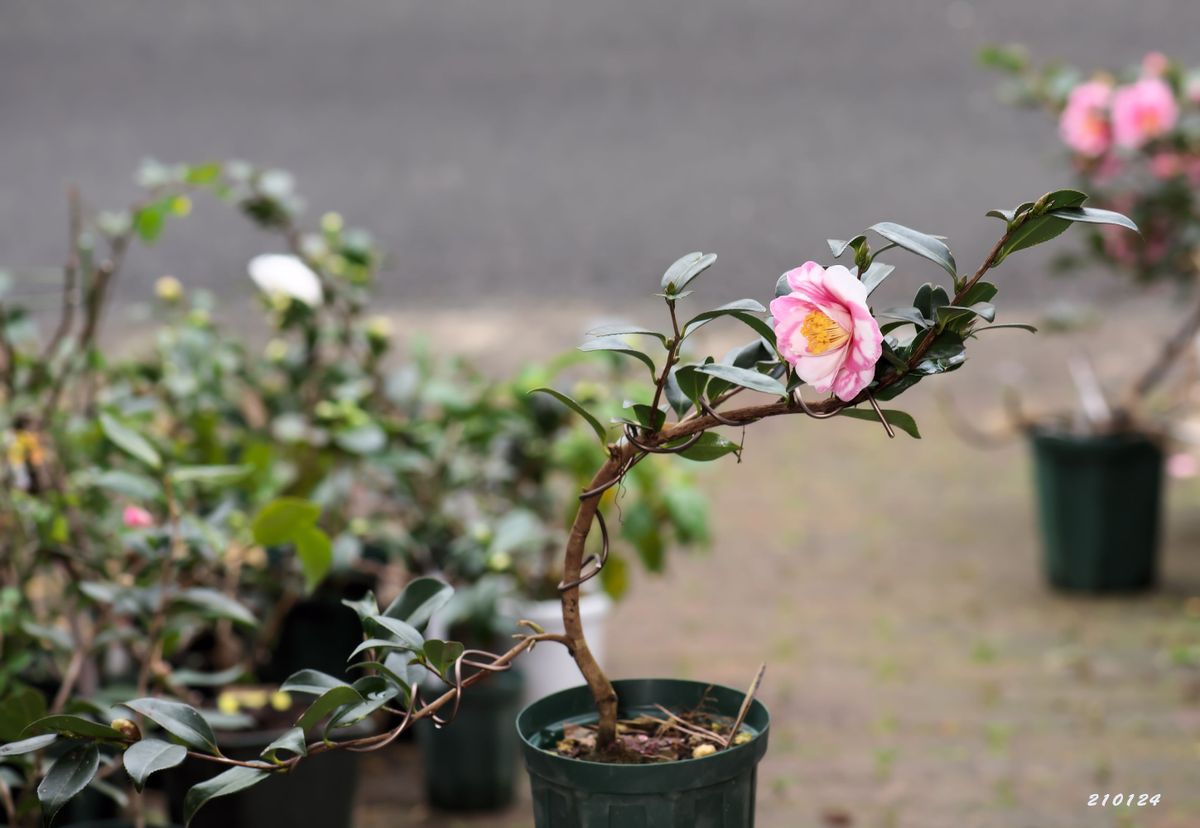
532 166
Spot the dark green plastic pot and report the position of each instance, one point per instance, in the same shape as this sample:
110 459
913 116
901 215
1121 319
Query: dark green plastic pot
1099 502
319 792
714 792
471 764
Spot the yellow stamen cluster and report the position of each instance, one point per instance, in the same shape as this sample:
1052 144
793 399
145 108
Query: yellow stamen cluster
822 333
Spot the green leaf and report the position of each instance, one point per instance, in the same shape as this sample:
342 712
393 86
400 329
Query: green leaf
1094 215
277 523
217 604
196 678
625 329
215 476
578 409
898 419
710 447
28 745
950 315
946 354
148 222
130 442
421 598
396 630
678 400
149 755
876 273
230 782
745 378
292 740
367 438
923 244
379 644
137 486
907 315
685 269
364 607
314 550
1019 325
619 346
691 381
376 691
837 246
441 655
1041 228
311 681
75 726
22 706
739 306
180 720
326 703
69 775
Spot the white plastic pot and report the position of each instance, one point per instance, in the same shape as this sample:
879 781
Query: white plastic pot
549 668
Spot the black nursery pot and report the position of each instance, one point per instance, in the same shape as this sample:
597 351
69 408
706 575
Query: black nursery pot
470 765
717 791
319 632
1100 505
317 793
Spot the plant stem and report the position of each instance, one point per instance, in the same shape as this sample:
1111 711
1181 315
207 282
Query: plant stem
1158 370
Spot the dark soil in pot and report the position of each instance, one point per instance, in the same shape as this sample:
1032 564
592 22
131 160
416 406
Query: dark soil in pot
1099 505
717 791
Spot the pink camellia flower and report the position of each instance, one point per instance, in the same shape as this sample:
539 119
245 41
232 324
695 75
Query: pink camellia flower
1182 466
825 329
1166 165
135 517
1142 111
1084 125
1155 64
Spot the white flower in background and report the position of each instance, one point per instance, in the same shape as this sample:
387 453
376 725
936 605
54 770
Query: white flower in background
277 274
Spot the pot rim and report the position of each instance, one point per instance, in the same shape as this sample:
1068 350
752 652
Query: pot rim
682 774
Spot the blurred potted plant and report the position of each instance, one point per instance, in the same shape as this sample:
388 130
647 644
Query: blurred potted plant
490 472
1133 140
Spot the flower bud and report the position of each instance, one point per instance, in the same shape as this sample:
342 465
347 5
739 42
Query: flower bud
332 223
168 289
379 328
127 729
700 751
276 350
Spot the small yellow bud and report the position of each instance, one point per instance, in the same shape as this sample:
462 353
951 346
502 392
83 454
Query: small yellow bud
227 703
126 728
276 350
359 526
181 205
281 700
499 562
700 751
332 223
379 327
168 289
743 737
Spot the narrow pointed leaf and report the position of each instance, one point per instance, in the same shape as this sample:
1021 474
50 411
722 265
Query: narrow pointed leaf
180 720
923 244
69 775
1094 215
421 598
130 442
898 419
230 782
28 745
684 270
745 378
618 346
578 409
292 741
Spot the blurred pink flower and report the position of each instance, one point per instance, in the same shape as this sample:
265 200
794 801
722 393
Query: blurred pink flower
1166 165
1192 170
825 329
1182 465
135 517
1084 123
1142 111
1107 168
1155 64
